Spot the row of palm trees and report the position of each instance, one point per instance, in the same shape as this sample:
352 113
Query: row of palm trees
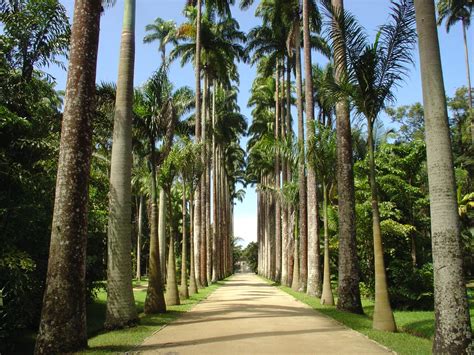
146 122
290 171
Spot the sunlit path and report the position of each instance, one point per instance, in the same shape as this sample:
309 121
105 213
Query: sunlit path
248 316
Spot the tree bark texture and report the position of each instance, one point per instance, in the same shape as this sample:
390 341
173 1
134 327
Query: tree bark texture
63 317
452 323
121 309
348 288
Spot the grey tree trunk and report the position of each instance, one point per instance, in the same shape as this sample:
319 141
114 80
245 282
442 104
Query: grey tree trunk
121 310
277 180
63 316
203 225
383 315
314 272
348 288
452 323
184 248
468 74
154 301
192 275
162 230
141 219
172 294
197 115
326 297
303 208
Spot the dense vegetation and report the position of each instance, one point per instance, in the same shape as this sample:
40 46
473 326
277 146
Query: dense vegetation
344 200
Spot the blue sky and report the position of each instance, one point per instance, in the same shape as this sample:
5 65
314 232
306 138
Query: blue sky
370 13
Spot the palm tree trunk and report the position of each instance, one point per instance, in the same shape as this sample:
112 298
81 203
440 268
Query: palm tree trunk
383 315
197 119
172 294
215 224
203 226
184 249
295 284
468 73
327 297
162 230
314 274
209 238
193 289
348 288
303 208
452 324
154 301
63 317
121 309
141 218
277 180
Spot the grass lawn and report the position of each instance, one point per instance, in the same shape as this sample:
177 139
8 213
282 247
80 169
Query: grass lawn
415 329
125 339
101 342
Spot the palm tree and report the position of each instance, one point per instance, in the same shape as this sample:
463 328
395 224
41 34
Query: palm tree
63 319
348 288
162 31
159 109
452 325
322 155
314 277
121 309
374 70
453 11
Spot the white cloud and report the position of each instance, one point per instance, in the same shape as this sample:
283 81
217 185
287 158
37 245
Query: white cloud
245 227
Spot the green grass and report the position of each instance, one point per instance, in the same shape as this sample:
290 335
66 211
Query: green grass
125 339
101 342
402 343
415 328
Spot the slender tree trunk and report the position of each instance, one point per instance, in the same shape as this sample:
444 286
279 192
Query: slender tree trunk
295 285
162 230
154 301
215 229
314 274
184 249
192 275
291 244
326 297
468 73
303 208
452 324
383 315
203 226
209 237
348 288
141 218
277 180
121 310
63 316
172 294
197 115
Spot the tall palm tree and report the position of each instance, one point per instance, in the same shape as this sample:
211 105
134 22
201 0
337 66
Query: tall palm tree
322 156
162 31
314 277
374 70
452 11
63 319
121 309
452 325
159 109
348 288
